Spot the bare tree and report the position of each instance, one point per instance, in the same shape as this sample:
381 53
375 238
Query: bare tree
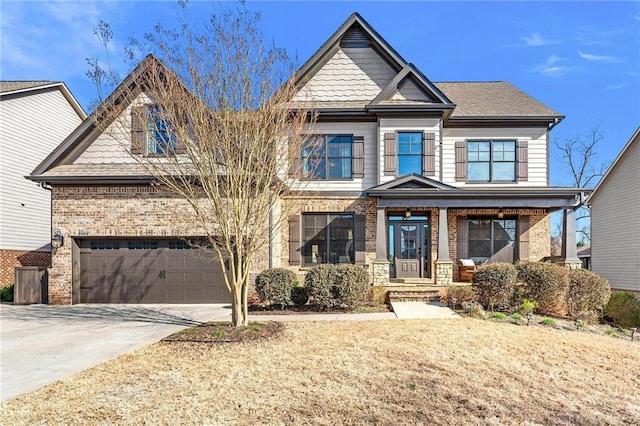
212 121
580 157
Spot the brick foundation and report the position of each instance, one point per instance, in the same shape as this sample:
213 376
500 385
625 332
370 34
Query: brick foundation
11 259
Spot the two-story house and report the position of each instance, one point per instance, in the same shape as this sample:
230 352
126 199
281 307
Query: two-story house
401 175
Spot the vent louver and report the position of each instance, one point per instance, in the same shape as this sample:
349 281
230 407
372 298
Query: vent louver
355 37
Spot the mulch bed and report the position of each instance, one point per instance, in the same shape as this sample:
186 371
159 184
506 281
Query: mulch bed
311 309
217 332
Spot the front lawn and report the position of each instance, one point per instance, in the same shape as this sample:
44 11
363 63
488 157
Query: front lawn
375 372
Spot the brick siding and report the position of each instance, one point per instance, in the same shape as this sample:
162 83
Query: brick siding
11 259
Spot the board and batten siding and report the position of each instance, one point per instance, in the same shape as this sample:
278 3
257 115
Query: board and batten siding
32 125
365 129
615 223
352 74
536 138
392 125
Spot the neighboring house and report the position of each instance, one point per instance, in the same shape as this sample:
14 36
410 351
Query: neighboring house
35 116
414 176
584 254
615 220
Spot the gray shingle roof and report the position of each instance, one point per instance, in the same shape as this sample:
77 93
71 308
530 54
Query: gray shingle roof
492 99
10 86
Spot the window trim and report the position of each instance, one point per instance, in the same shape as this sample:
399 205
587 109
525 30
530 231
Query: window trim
420 155
326 215
491 161
326 137
151 128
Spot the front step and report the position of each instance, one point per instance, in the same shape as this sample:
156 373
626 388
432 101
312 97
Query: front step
411 281
413 295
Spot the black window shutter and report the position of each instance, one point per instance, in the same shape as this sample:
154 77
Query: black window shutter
429 154
461 161
523 161
360 238
390 154
524 222
294 240
358 157
463 237
138 133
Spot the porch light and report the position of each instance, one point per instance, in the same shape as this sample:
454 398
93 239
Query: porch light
407 213
633 331
500 213
57 240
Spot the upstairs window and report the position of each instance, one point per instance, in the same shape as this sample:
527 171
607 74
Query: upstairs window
491 161
151 133
328 157
409 153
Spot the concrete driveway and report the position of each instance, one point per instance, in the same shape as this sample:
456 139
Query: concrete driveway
42 344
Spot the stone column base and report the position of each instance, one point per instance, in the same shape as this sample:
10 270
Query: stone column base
444 272
380 272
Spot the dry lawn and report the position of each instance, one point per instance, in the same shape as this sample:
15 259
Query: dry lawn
379 372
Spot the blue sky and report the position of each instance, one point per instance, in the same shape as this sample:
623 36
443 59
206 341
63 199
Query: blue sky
579 58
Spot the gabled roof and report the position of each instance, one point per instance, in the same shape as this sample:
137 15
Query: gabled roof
412 181
635 138
11 88
411 72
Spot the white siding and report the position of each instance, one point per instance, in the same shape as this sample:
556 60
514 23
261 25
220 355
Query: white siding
352 74
31 126
537 146
410 92
615 223
391 125
368 130
113 145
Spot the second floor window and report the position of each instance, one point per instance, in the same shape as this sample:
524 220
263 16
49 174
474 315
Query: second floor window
409 153
160 139
491 161
328 157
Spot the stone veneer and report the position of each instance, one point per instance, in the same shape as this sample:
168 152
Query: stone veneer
115 211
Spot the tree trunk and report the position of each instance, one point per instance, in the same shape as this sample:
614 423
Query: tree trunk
237 319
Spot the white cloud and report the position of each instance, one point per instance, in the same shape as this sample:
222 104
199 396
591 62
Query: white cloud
598 58
552 67
535 39
616 86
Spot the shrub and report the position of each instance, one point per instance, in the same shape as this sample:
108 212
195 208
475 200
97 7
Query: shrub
624 309
299 295
498 316
6 293
588 292
274 286
462 293
548 321
516 318
526 306
352 286
494 284
338 286
544 283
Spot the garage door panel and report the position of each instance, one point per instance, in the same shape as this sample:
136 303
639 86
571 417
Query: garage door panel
130 272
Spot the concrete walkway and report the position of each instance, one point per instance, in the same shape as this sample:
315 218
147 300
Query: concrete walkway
422 310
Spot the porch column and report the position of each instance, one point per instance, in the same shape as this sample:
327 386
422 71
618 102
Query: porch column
381 264
443 235
381 242
444 265
569 247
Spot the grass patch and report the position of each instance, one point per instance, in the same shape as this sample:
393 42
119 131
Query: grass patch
498 316
224 332
548 321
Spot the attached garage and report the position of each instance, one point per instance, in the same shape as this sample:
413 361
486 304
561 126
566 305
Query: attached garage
148 271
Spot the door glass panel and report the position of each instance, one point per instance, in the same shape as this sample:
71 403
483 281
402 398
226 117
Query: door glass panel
426 248
391 249
408 242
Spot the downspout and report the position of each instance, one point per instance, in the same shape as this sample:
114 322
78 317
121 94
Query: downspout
441 155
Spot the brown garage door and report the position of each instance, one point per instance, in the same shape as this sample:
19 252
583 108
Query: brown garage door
148 271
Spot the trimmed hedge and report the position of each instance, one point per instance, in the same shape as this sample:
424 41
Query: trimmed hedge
462 293
588 292
338 286
544 283
6 293
624 309
274 286
494 284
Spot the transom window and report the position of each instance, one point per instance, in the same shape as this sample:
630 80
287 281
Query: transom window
142 245
491 161
160 138
327 238
327 157
409 153
492 239
105 245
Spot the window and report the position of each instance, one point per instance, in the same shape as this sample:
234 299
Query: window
491 161
142 245
160 138
327 238
492 239
327 157
409 153
105 245
180 245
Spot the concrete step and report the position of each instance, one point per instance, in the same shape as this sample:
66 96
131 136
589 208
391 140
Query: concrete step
413 295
